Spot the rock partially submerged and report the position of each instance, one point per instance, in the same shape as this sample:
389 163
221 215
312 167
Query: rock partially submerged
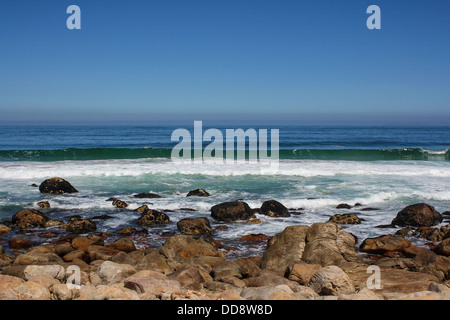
418 215
28 219
153 217
56 186
195 226
273 208
231 211
198 193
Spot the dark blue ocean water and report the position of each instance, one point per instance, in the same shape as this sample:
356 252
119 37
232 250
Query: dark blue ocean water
51 143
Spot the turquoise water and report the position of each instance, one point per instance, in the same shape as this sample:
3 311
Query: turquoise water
386 168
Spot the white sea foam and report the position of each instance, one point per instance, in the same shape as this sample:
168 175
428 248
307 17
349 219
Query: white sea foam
301 168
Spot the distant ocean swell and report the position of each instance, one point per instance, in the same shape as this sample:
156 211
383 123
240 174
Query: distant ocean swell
76 154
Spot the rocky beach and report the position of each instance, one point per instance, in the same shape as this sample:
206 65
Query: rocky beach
39 256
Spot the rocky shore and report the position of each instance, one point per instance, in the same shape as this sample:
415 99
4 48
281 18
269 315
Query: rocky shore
304 262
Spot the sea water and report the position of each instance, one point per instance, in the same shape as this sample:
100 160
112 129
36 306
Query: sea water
382 168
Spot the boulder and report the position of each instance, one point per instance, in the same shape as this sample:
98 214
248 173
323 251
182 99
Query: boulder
82 242
195 226
328 244
347 218
152 217
273 208
95 252
383 244
331 280
268 278
28 219
4 228
198 193
418 215
31 291
343 206
38 256
231 211
56 186
119 203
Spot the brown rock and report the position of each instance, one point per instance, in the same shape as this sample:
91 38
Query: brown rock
56 186
154 286
443 248
383 244
198 193
190 277
43 204
347 218
195 226
273 208
19 243
254 238
95 252
123 244
180 247
27 219
302 272
152 217
81 243
78 225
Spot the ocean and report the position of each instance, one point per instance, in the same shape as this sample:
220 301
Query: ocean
383 168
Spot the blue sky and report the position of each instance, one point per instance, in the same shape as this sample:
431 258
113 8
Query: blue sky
281 60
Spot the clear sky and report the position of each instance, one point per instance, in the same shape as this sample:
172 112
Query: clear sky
299 61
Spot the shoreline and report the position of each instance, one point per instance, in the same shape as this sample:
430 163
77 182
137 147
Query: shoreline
301 263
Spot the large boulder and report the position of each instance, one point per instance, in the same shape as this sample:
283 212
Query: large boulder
418 215
273 208
288 248
231 211
56 186
152 217
328 244
27 219
321 243
195 226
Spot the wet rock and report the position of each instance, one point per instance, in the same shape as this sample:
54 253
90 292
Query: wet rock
142 208
152 217
418 215
231 211
28 219
254 238
43 204
347 218
102 217
4 228
119 203
127 231
19 243
78 225
273 208
195 226
56 186
147 195
343 206
198 193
